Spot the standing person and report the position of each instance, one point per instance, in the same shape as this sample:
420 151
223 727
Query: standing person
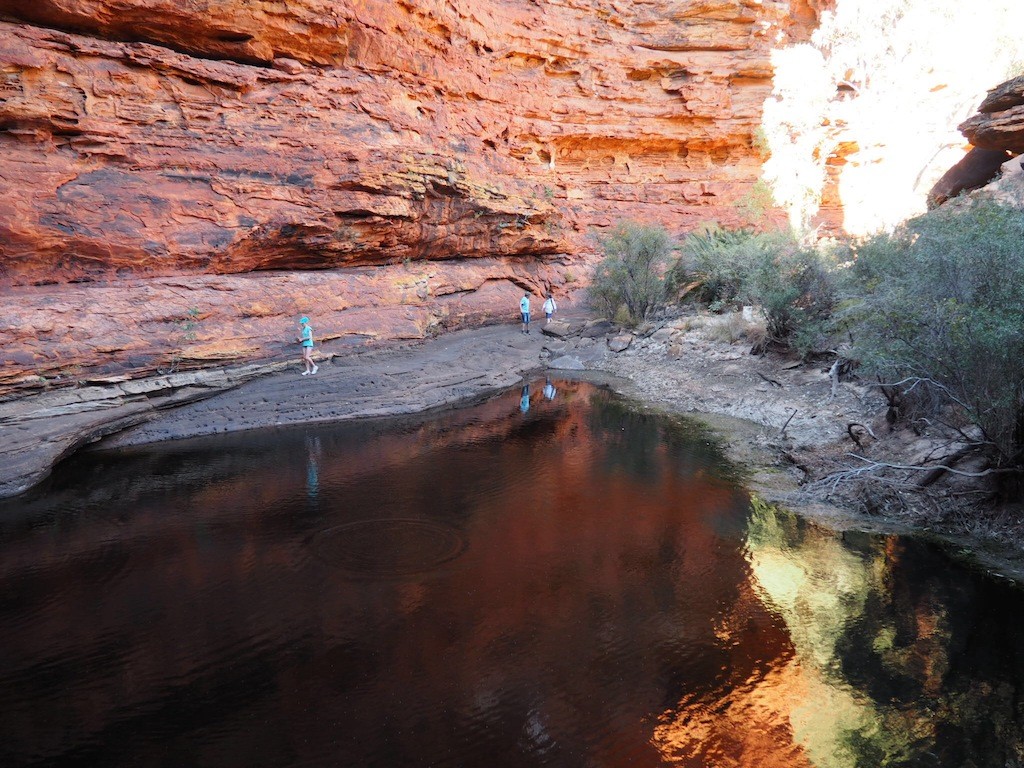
549 308
306 339
524 308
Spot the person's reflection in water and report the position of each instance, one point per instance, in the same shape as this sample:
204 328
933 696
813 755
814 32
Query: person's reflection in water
549 390
313 452
524 401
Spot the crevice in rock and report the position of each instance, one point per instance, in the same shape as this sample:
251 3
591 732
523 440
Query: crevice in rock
239 38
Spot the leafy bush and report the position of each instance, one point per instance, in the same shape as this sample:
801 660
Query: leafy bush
791 283
938 312
632 273
720 262
797 293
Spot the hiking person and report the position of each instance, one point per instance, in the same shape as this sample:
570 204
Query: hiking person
549 308
306 339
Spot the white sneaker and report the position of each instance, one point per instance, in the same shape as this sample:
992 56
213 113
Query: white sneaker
316 368
305 373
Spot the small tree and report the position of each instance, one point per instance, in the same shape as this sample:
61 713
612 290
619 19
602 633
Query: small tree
720 262
632 273
797 293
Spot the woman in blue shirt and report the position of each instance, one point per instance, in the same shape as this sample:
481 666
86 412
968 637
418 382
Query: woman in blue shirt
306 339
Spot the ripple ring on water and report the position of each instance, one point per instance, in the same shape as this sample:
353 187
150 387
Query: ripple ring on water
388 548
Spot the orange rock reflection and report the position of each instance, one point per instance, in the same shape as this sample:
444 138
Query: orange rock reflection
617 603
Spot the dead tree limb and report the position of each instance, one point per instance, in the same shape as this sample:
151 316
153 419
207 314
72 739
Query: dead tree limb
872 467
783 430
873 464
940 470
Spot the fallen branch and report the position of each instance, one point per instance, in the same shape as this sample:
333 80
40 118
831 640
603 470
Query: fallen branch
873 464
833 481
940 470
792 459
783 430
770 381
974 440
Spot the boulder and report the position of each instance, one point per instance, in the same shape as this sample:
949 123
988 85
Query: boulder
620 343
556 348
977 168
1004 96
996 130
557 329
596 328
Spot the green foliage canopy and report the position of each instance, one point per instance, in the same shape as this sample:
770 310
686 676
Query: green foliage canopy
791 283
939 306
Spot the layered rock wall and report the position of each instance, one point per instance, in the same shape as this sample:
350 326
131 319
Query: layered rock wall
999 122
995 164
145 139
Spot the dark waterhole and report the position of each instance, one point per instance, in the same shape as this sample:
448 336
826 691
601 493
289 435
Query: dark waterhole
533 581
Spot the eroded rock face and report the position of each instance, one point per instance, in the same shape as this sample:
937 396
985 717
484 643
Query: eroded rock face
154 138
999 124
997 134
134 159
72 332
978 168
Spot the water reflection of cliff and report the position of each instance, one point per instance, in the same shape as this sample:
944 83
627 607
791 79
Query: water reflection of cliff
612 601
896 661
162 607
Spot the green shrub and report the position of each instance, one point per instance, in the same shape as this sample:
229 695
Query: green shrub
791 283
720 262
937 311
632 273
796 290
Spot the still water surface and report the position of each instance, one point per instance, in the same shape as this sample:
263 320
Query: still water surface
527 582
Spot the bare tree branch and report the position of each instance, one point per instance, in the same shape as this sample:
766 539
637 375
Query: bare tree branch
873 465
926 380
833 374
783 430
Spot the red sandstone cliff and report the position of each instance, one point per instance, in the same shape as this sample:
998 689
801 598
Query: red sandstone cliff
148 146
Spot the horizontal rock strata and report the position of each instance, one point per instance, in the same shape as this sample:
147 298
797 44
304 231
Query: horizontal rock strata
999 124
65 333
144 139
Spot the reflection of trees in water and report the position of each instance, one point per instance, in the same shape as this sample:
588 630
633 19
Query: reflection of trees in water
591 600
902 662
